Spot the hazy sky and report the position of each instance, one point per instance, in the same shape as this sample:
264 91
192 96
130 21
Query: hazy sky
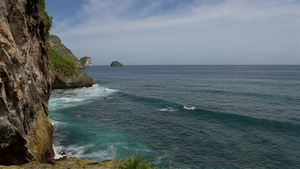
147 32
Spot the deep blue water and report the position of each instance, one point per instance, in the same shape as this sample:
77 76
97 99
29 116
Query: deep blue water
188 116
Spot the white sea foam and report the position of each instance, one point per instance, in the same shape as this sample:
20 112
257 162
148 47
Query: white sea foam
72 97
56 123
168 109
58 152
82 152
189 108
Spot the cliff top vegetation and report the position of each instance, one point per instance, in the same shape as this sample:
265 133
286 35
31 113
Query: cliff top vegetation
62 65
47 18
56 44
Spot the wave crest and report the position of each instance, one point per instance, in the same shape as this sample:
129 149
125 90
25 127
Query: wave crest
168 109
66 98
189 108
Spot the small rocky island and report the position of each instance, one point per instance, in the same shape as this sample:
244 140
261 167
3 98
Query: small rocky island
116 64
86 61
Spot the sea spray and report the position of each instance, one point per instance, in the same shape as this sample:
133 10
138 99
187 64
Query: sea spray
62 98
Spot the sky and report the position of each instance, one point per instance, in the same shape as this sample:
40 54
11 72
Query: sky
179 32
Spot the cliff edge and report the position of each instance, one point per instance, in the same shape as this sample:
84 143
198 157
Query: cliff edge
25 83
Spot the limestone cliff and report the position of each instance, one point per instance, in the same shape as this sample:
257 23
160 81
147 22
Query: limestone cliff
86 61
25 83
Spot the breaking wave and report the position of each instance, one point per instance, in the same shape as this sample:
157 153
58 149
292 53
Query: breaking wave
73 97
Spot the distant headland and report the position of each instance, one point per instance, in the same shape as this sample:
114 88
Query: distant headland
65 67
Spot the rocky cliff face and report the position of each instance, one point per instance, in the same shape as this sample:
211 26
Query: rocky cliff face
25 83
80 80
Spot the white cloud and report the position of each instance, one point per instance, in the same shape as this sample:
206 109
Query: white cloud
190 32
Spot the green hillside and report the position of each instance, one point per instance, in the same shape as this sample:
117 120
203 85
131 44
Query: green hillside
62 65
61 49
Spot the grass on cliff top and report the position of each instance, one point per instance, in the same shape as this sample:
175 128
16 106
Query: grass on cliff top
135 162
62 65
47 18
63 50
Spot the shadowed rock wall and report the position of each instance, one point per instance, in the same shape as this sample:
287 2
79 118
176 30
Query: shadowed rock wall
25 84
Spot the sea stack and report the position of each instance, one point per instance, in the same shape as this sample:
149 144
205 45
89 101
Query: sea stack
86 61
116 64
25 83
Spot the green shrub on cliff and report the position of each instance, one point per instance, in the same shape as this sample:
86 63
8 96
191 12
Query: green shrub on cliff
47 18
57 45
62 65
135 162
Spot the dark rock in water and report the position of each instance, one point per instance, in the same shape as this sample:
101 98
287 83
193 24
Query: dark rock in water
116 64
81 80
25 84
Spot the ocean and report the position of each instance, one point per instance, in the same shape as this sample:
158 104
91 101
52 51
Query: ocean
185 116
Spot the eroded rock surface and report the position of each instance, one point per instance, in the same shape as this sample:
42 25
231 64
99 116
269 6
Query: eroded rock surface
81 80
25 83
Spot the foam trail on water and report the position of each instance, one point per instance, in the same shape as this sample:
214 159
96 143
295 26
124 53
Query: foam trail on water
67 98
72 97
167 109
81 152
56 123
189 108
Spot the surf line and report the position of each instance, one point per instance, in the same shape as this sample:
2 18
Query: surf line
189 108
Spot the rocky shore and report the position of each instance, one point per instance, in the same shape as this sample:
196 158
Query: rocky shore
80 80
26 134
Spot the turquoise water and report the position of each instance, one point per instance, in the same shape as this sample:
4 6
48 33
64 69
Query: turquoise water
189 116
